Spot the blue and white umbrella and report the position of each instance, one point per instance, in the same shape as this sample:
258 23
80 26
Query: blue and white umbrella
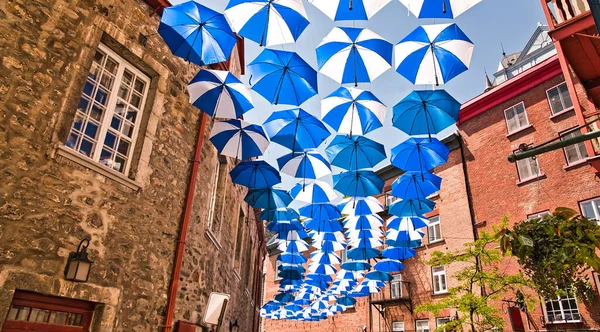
350 10
314 192
378 276
398 253
320 212
358 183
354 153
322 268
239 139
360 206
355 234
353 111
323 225
196 33
292 247
328 236
448 9
433 54
369 286
364 243
281 214
282 226
328 246
346 301
309 164
282 77
389 265
255 174
296 129
336 308
419 154
406 223
219 94
267 22
425 112
372 221
354 55
325 258
268 198
416 185
411 207
292 258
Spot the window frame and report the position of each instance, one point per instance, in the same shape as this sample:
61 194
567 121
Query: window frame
577 145
520 127
434 274
398 329
422 320
109 111
562 311
212 207
565 109
437 321
535 176
596 208
440 237
276 276
396 282
537 215
389 198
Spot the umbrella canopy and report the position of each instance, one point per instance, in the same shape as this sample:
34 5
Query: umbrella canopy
449 9
406 223
371 221
319 305
328 236
425 112
355 265
323 225
219 94
378 276
354 153
281 214
313 193
346 301
267 22
336 308
362 254
364 243
268 198
398 253
322 268
320 211
304 165
420 154
358 183
255 174
352 111
416 185
354 55
283 227
328 246
389 266
433 54
355 235
411 207
239 139
274 72
360 206
369 286
325 258
196 33
292 258
349 10
292 247
295 129
284 297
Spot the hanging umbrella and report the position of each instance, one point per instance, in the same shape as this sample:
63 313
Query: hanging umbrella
358 183
360 206
292 259
353 153
293 307
219 94
323 225
255 174
364 243
292 247
196 33
362 254
348 275
328 236
282 77
325 258
411 207
389 265
239 139
319 212
372 221
449 9
355 265
281 214
280 227
425 112
346 301
369 286
398 253
319 305
354 55
328 246
406 223
336 308
322 268
304 165
411 239
267 22
268 198
349 10
296 129
433 54
318 277
354 235
419 154
416 185
351 110
378 276
284 297
313 193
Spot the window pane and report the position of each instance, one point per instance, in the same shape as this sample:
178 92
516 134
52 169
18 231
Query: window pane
58 317
97 112
86 147
12 313
110 140
511 120
564 92
91 129
83 105
23 313
555 102
39 315
588 210
521 115
139 86
127 77
88 88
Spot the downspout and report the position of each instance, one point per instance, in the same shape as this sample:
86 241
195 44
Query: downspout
257 282
187 212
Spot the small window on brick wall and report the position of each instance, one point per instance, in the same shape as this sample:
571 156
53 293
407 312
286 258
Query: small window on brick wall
528 168
516 118
559 98
108 116
575 153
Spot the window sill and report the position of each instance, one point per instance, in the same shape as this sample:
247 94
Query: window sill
519 131
576 164
532 179
436 242
562 322
554 116
440 293
213 239
86 162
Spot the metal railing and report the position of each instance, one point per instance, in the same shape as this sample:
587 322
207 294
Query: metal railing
393 291
562 11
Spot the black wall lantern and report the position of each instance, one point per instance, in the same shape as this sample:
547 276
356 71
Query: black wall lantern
78 265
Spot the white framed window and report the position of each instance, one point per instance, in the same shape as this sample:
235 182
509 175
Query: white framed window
389 198
214 184
528 168
422 325
109 112
439 279
574 153
398 326
441 321
559 98
538 215
434 230
343 256
591 209
396 287
562 310
516 117
276 275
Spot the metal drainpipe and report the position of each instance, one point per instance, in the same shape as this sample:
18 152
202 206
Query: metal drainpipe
257 281
187 212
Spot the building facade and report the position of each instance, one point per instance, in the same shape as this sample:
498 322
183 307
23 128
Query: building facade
98 141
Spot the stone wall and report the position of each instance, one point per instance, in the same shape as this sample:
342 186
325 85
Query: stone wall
51 198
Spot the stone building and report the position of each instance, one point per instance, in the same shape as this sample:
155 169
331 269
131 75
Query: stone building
98 140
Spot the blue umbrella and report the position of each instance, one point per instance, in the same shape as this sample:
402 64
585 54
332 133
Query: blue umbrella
378 275
283 235
268 198
353 153
328 246
360 206
282 214
425 112
313 193
292 259
323 225
368 222
219 94
433 54
282 77
349 10
411 207
354 265
416 185
325 258
280 227
419 154
448 9
296 129
346 301
255 174
320 211
389 265
351 110
398 253
304 165
293 307
354 55
239 139
267 22
406 223
358 183
284 297
322 268
362 254
196 33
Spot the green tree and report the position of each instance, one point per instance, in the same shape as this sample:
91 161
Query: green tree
556 252
479 280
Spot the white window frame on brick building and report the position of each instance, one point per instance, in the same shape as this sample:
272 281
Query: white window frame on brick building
389 198
397 326
434 229
422 325
538 215
575 153
560 100
562 310
213 196
109 113
528 169
396 287
520 122
440 321
276 276
343 256
591 209
440 282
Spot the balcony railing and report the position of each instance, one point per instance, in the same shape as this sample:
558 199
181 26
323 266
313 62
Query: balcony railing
395 291
561 11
